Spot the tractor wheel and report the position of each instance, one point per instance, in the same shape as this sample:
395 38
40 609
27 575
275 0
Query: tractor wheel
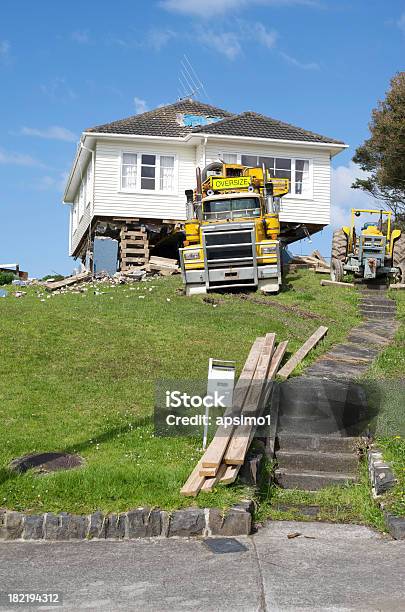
336 270
339 245
398 259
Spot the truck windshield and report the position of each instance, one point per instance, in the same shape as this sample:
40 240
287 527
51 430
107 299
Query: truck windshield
234 208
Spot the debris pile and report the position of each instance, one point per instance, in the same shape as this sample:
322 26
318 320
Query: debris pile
315 261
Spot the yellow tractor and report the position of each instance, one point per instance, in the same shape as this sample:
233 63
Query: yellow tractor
373 251
232 230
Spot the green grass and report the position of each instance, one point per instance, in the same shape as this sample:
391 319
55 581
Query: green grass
385 384
78 374
350 503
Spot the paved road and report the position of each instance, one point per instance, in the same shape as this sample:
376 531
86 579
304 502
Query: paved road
328 567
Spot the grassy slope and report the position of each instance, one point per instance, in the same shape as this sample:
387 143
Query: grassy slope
78 374
387 386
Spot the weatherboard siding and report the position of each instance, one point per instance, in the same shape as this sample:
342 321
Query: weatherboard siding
294 209
109 200
81 229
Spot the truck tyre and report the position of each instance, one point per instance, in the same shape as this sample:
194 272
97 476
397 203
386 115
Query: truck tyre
339 245
336 270
398 259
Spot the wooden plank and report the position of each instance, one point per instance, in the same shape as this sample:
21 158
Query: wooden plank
239 444
131 251
194 482
326 283
134 259
317 255
216 449
321 270
71 280
210 483
302 352
397 286
276 359
163 261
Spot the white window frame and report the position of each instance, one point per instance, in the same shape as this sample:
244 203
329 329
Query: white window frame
309 195
157 190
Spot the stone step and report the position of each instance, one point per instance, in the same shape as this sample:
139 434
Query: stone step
308 425
372 314
367 338
331 444
378 301
378 307
317 461
309 480
339 370
371 287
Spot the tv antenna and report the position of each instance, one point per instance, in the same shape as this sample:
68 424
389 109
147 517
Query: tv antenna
190 82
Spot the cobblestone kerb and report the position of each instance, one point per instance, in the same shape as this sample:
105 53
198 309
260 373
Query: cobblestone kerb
382 479
137 523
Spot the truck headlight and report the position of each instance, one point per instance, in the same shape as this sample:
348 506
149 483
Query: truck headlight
191 254
269 250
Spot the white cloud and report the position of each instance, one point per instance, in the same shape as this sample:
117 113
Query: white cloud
157 39
55 132
81 36
343 197
4 51
401 23
294 62
268 38
226 43
208 8
49 183
58 90
140 105
19 159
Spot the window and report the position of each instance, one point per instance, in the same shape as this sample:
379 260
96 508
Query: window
229 158
295 170
166 173
129 171
148 172
301 176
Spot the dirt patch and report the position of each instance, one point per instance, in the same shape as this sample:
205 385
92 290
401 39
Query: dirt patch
306 314
44 463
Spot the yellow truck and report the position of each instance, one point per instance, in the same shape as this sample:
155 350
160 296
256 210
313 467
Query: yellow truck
232 230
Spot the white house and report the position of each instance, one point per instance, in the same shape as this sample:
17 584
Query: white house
137 169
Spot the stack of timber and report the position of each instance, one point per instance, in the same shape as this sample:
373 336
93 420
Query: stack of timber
163 265
315 261
134 246
227 451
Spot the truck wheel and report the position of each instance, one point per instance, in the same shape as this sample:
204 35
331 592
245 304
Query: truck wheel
398 260
339 245
336 270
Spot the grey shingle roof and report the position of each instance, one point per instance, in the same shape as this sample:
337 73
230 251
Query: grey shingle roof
163 121
256 125
169 121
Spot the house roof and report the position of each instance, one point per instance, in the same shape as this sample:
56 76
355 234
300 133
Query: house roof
255 125
171 120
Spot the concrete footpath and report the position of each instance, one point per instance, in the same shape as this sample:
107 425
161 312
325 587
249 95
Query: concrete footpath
327 567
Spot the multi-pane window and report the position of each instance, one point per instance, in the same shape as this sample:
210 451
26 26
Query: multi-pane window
295 170
166 173
148 172
301 176
129 170
229 158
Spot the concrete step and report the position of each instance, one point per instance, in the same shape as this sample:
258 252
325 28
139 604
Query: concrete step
378 301
377 307
308 425
317 461
372 314
309 480
331 444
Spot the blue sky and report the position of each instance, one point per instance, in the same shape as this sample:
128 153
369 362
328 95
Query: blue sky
319 64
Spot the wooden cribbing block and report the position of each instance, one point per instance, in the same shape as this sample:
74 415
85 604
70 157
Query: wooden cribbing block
292 363
326 283
213 455
239 443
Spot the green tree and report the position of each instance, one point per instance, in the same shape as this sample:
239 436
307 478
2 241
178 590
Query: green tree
382 155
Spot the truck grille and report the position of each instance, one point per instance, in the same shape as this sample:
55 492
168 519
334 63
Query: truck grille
231 244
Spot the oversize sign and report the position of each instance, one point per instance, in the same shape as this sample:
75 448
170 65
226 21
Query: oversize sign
236 182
